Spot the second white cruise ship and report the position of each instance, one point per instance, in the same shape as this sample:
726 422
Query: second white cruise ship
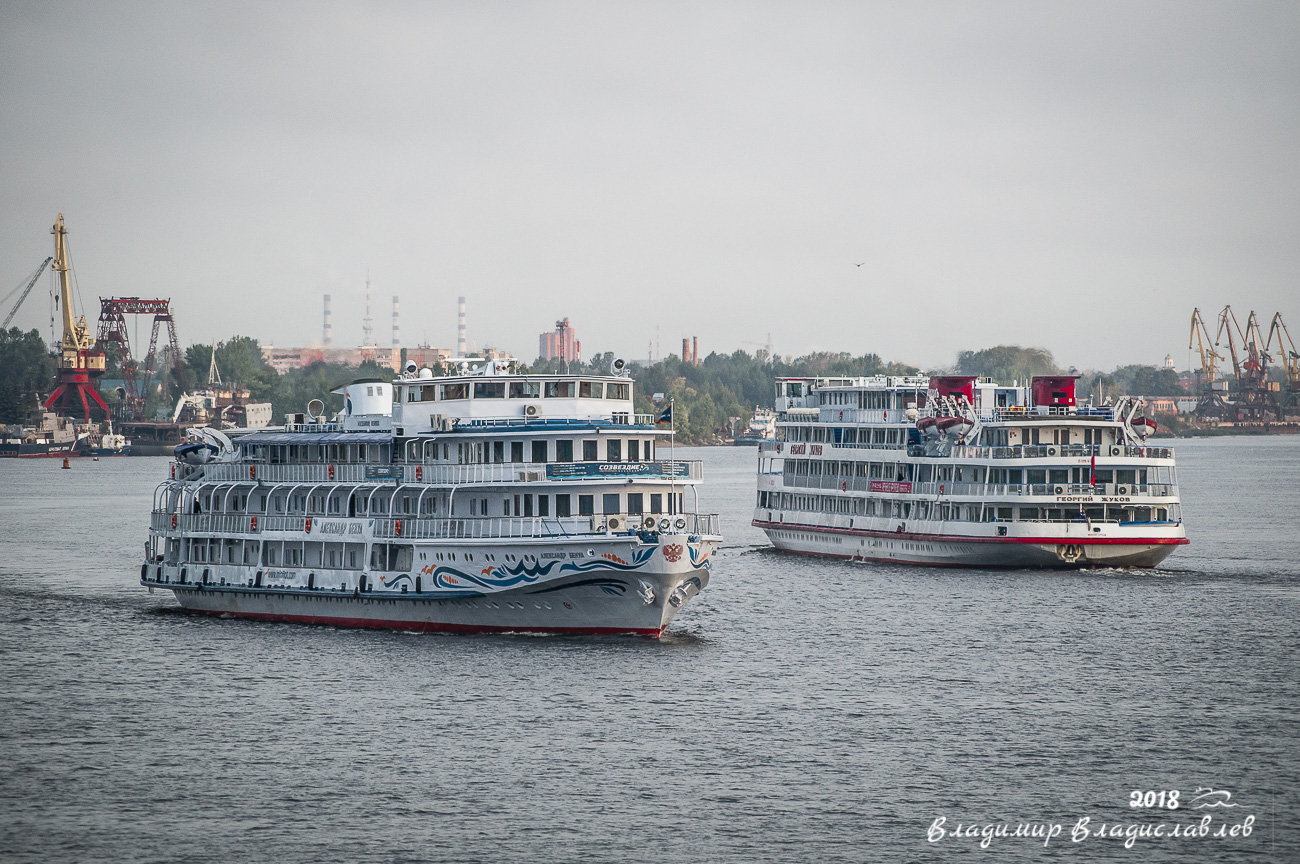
959 471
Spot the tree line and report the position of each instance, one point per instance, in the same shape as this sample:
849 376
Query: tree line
709 398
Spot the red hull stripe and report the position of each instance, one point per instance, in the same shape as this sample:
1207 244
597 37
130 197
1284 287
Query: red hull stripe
429 626
956 538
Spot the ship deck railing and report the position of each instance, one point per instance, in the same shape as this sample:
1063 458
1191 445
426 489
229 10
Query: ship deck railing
835 483
966 451
441 474
433 528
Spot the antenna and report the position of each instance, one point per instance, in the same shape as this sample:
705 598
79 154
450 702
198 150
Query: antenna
462 344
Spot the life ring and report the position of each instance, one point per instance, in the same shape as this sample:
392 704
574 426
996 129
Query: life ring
308 525
844 485
778 446
419 472
940 488
253 525
397 528
252 472
331 471
841 413
173 470
173 520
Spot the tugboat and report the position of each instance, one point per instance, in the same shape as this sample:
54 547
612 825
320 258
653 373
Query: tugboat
48 435
482 501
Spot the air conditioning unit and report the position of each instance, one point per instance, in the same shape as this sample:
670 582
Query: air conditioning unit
1051 451
1058 490
1121 490
532 409
648 523
614 524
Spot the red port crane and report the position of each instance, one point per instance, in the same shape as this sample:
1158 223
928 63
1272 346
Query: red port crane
81 363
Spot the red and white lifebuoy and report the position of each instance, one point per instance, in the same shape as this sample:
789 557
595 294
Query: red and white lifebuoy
252 472
253 525
173 520
419 472
173 470
308 526
331 471
397 529
940 488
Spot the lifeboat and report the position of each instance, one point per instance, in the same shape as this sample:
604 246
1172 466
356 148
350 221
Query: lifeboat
946 423
925 424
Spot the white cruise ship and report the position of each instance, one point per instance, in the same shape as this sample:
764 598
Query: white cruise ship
964 472
483 501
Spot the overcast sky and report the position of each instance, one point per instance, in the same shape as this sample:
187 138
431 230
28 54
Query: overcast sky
1071 176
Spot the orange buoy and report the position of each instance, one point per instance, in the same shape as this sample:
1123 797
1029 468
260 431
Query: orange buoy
66 463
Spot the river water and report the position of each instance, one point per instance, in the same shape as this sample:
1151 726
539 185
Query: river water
797 710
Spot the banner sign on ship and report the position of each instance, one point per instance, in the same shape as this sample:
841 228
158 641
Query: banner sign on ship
562 470
890 486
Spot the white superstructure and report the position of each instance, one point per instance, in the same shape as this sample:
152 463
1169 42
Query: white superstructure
484 500
959 471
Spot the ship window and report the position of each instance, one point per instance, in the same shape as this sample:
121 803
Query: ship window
586 505
1124 475
525 390
591 390
609 503
528 505
563 451
516 451
539 451
498 451
1036 476
489 389
589 451
453 391
559 389
617 391
543 505
562 505
634 450
656 502
1058 475
635 503
614 450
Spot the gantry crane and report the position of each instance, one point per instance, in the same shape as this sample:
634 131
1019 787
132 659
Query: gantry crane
81 364
1211 402
1255 400
1290 359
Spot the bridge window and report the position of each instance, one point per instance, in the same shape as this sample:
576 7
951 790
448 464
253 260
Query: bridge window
525 390
489 389
559 389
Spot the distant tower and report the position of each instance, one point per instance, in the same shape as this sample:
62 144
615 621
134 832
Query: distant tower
686 349
397 338
695 350
368 323
327 335
462 345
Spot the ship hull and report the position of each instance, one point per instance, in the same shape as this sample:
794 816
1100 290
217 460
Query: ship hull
937 550
40 449
594 602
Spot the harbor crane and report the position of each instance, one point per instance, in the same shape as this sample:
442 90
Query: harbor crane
1255 399
26 291
112 330
81 363
1211 402
1290 359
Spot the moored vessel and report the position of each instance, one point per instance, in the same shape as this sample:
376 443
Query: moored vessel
952 470
482 501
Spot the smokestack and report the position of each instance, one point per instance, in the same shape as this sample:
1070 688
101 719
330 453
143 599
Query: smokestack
462 345
695 350
327 335
397 338
367 323
686 350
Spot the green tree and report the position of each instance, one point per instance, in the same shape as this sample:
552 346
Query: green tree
26 373
1007 363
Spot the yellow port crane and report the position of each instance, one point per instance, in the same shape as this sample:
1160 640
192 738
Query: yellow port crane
1201 336
1290 359
81 365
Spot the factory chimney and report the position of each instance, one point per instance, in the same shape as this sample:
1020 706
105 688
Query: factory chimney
686 350
397 338
695 350
462 345
367 323
327 336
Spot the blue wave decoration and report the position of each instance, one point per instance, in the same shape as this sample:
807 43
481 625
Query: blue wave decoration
527 572
396 580
698 560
